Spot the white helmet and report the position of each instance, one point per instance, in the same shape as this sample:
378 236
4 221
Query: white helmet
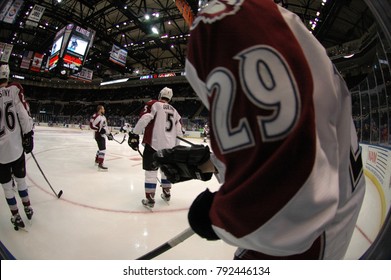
4 71
166 93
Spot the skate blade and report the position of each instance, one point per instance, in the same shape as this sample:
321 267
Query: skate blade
102 170
20 229
165 200
149 208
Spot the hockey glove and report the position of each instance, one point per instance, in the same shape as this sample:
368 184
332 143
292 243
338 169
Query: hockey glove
28 142
110 137
102 131
133 140
181 163
198 215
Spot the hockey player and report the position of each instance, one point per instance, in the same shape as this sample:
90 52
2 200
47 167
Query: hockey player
162 125
16 137
126 128
98 123
205 132
276 105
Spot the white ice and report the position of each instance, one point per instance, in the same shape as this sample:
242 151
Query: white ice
100 216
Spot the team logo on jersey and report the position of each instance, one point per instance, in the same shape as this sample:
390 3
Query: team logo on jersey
217 10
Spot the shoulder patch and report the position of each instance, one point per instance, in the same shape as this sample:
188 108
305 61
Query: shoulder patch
217 10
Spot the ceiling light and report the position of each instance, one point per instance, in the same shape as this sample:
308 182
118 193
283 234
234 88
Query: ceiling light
154 30
18 77
114 82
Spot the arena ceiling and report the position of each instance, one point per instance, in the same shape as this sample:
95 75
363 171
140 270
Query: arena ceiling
123 23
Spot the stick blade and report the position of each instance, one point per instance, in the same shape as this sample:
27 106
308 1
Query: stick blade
59 194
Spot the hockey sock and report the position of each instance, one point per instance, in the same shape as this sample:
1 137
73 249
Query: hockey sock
101 156
22 190
150 183
150 190
10 197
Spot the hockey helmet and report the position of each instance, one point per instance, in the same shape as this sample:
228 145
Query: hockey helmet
4 72
166 93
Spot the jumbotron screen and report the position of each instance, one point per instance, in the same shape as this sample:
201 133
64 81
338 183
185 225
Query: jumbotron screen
57 45
77 45
70 49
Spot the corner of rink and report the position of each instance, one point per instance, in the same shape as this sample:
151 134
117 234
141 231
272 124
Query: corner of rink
377 168
377 201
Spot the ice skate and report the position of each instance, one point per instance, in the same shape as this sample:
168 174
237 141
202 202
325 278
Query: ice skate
166 195
29 212
102 168
148 203
17 221
96 161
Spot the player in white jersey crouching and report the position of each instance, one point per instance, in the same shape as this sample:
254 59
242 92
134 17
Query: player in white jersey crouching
162 125
16 137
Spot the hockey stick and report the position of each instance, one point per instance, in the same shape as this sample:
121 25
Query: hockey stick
43 174
168 245
123 140
184 140
139 152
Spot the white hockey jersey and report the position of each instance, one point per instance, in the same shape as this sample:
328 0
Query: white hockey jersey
14 122
161 124
127 127
97 122
281 126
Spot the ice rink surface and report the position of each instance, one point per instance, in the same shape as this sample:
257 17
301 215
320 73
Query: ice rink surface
100 216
